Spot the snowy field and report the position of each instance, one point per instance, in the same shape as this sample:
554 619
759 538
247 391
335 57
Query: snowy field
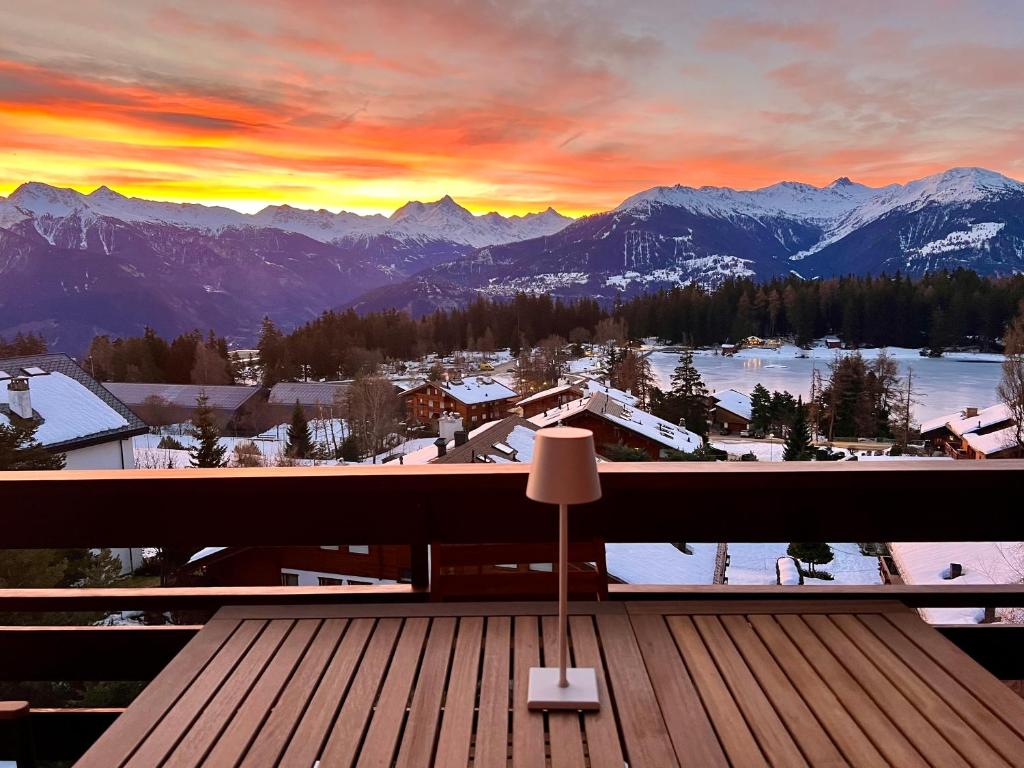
755 564
944 384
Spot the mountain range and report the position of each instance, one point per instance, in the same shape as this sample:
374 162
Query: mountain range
72 265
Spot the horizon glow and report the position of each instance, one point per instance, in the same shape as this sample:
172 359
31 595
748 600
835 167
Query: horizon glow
363 106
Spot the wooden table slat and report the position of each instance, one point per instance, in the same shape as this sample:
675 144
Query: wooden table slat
817 723
420 732
643 728
527 727
273 736
961 736
233 743
127 732
1006 704
173 726
801 698
564 732
761 716
603 745
455 740
491 747
974 713
341 707
873 717
735 735
204 732
692 733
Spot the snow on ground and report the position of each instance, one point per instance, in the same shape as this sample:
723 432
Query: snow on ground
402 449
755 564
984 562
661 563
764 450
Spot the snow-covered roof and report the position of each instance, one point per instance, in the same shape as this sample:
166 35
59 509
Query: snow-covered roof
473 389
984 562
734 402
593 387
507 440
660 563
547 393
205 552
428 453
643 423
993 442
307 393
961 424
73 408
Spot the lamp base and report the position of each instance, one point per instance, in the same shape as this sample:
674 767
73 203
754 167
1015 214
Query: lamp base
545 693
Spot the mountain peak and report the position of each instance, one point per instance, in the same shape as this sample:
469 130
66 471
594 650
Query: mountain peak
105 193
842 181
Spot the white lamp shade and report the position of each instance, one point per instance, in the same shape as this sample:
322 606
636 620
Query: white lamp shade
564 468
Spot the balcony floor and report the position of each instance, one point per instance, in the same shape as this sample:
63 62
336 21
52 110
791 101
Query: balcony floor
709 683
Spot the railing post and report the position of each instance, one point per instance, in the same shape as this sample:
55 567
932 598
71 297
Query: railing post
420 555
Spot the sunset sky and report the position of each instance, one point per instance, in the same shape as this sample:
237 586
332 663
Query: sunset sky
509 106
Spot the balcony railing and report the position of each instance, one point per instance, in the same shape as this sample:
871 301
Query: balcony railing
415 506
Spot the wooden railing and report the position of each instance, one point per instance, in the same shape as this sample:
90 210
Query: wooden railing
919 501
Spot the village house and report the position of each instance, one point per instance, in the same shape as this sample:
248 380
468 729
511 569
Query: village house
507 441
614 423
318 399
296 566
72 413
986 433
477 399
731 411
548 398
234 407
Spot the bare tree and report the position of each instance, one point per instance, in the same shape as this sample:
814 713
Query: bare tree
903 410
373 412
1011 386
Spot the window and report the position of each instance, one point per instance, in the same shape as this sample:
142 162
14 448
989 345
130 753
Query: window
359 549
327 581
289 579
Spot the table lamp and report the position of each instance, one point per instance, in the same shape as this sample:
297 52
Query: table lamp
563 472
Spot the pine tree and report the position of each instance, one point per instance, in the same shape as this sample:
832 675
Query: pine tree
691 395
813 553
760 410
798 441
19 449
300 441
208 452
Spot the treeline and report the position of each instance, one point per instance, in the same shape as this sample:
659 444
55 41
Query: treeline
22 344
939 310
189 358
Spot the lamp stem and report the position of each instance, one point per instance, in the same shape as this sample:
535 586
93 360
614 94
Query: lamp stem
563 593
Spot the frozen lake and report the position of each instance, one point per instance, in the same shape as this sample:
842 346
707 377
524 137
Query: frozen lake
944 385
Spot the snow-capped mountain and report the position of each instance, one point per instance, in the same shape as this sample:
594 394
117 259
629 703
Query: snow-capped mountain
443 219
73 264
665 236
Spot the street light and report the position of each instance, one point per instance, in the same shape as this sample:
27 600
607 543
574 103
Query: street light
771 446
563 472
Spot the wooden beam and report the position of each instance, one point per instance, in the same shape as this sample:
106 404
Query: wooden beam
197 598
936 501
928 596
89 652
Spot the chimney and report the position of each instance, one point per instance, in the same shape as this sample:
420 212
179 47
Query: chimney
19 398
448 425
461 437
442 447
956 570
970 412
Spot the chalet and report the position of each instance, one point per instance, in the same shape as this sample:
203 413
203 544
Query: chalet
477 399
833 342
593 386
318 399
985 433
614 423
548 398
296 566
72 413
731 410
234 407
729 349
507 441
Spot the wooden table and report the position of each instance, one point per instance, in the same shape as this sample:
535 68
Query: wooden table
682 683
